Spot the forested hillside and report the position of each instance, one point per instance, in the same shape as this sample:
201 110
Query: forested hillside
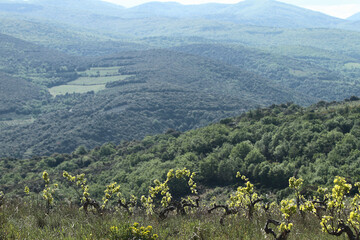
15 93
268 145
160 90
330 78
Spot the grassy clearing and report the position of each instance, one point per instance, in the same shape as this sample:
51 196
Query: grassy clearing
63 89
93 79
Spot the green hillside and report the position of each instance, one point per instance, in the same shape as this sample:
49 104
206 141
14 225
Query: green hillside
143 93
268 145
15 93
26 72
37 64
310 71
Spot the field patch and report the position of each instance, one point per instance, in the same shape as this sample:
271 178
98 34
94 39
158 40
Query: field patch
94 79
63 89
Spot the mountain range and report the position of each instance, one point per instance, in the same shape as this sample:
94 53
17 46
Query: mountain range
250 12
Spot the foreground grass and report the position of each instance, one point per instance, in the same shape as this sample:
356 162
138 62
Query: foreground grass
24 220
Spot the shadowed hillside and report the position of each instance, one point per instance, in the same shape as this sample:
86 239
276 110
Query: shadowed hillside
165 90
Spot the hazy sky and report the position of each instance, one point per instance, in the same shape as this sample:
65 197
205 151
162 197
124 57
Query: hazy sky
337 8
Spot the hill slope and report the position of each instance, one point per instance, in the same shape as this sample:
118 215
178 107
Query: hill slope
25 71
322 79
162 90
29 60
268 145
15 93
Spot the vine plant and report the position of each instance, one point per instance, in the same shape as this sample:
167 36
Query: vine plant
341 218
114 189
245 198
288 208
48 191
79 181
167 203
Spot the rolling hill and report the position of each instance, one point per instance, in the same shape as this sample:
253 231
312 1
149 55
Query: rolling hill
26 70
15 93
166 90
18 56
268 145
35 63
308 75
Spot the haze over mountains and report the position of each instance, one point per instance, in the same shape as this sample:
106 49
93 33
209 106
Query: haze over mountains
94 72
251 12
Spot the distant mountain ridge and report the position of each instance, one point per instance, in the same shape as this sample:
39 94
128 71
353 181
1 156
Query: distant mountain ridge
254 12
98 13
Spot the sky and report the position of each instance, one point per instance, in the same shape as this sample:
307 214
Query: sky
336 8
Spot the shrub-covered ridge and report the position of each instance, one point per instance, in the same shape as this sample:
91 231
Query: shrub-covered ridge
267 145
